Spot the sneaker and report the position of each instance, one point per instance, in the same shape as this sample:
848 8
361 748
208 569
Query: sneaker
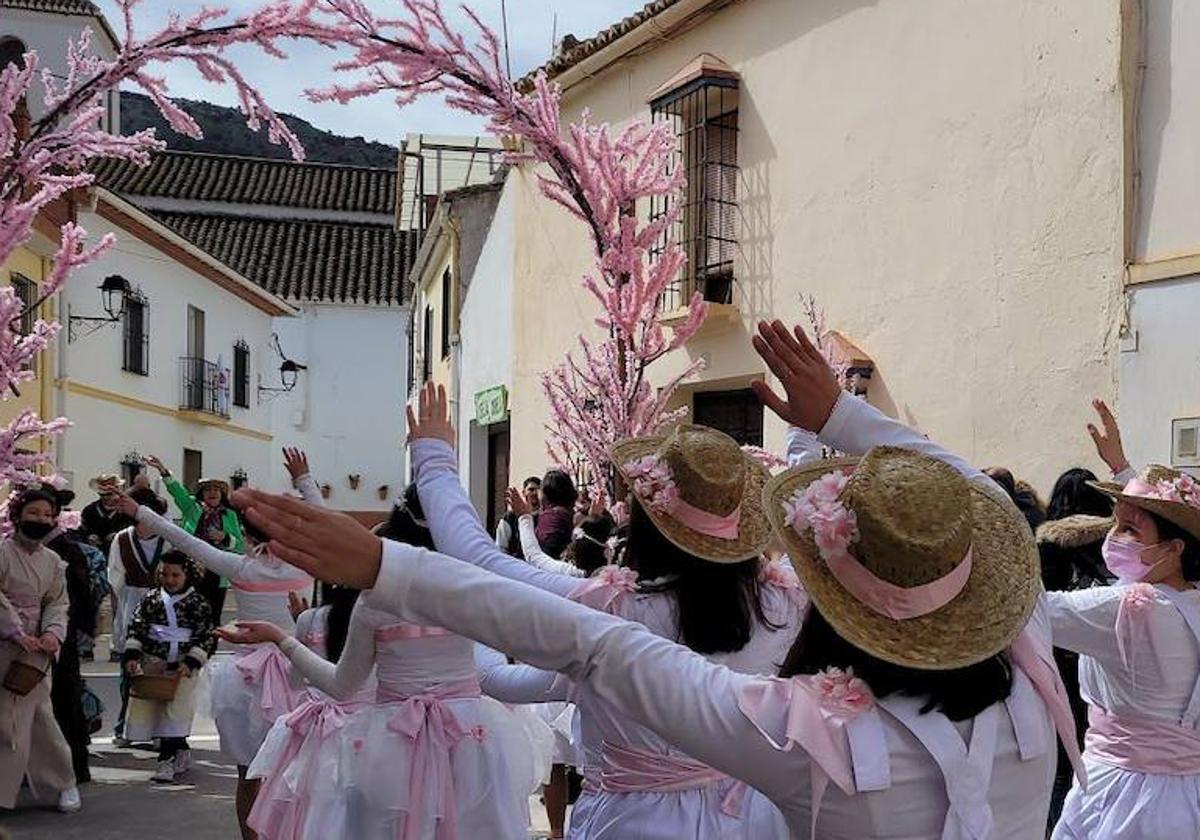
121 742
183 762
166 770
69 801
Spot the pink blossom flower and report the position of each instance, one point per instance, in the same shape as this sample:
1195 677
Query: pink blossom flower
778 574
652 482
619 577
818 508
842 693
1139 597
70 520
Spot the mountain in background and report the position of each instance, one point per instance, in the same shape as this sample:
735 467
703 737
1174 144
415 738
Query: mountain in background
225 133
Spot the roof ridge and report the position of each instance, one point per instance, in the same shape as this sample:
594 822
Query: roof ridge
280 161
244 217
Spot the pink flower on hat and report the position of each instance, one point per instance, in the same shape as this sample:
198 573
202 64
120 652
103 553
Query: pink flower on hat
70 520
653 483
1184 489
842 693
818 507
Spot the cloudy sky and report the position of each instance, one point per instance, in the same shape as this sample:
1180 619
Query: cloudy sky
531 25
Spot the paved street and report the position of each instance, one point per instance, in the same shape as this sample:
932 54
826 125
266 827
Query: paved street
122 802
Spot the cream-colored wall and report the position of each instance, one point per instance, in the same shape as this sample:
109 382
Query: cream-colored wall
27 262
945 176
429 293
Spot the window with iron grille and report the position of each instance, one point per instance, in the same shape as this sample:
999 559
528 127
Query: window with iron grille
135 330
27 292
427 346
446 302
703 113
241 374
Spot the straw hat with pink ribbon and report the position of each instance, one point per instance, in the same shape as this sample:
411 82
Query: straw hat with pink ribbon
701 491
906 558
1171 494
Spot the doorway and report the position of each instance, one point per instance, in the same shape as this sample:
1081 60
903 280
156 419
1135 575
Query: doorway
193 467
737 413
498 465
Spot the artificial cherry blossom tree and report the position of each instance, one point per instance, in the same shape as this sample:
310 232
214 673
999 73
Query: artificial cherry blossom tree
43 160
602 176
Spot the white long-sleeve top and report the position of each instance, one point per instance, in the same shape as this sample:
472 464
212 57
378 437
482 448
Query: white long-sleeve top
534 556
694 703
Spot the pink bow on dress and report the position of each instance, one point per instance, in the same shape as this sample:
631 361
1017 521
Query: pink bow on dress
267 666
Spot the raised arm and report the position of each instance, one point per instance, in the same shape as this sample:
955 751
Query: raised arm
677 693
350 673
456 528
517 683
534 556
296 462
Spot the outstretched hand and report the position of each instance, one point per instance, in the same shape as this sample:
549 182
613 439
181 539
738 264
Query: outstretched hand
329 545
517 503
432 418
1108 438
250 633
810 387
154 461
296 461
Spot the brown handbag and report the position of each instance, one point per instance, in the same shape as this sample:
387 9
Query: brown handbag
22 678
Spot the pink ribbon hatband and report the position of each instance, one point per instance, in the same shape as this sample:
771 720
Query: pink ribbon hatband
430 724
898 602
701 521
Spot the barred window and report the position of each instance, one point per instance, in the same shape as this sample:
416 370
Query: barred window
27 292
701 105
241 374
136 334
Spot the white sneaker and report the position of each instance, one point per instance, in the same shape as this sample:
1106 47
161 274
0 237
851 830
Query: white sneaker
166 770
183 762
69 801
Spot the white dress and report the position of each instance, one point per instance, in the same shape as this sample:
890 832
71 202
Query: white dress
428 751
250 689
637 786
1139 662
892 775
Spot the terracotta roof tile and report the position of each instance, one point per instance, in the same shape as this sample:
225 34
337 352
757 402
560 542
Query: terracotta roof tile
196 176
301 260
62 7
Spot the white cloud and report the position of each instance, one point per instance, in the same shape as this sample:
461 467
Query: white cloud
530 27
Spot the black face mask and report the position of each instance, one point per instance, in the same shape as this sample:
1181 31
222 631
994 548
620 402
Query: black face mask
35 531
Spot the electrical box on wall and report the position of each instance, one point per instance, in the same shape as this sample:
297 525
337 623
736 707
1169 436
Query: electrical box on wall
1185 442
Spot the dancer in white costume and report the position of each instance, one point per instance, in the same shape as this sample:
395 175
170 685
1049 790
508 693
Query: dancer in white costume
255 687
428 757
948 732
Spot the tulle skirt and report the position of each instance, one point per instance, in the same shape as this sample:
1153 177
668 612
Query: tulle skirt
686 815
1126 805
236 706
559 717
350 770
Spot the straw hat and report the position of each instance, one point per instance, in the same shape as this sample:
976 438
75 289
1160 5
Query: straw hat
701 491
915 519
1171 494
219 482
107 482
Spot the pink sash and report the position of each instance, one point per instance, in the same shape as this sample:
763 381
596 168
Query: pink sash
430 724
405 630
281 807
267 667
282 586
628 769
1142 745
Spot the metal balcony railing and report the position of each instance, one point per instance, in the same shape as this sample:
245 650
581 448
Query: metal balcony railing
202 387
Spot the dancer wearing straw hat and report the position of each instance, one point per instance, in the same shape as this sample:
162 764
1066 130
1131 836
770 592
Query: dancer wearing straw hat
1139 665
923 578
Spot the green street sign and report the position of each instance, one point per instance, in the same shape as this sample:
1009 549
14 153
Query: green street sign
491 406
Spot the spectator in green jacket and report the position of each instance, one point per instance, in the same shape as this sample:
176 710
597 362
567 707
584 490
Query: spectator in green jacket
208 515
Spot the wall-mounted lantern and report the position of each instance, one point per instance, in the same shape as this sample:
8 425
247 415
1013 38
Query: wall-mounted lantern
113 292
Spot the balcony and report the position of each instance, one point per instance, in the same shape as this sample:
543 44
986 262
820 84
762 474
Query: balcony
202 387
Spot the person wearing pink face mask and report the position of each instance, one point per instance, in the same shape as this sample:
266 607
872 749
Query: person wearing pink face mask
1139 665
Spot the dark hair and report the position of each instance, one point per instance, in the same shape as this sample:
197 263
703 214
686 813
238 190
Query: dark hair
559 490
1168 530
178 558
199 494
1004 478
959 693
29 496
341 601
401 524
717 603
146 497
1072 495
589 554
532 480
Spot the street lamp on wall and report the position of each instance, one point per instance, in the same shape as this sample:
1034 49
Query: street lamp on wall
113 292
289 372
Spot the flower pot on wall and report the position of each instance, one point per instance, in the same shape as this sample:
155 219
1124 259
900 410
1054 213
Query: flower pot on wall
354 479
326 491
383 492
